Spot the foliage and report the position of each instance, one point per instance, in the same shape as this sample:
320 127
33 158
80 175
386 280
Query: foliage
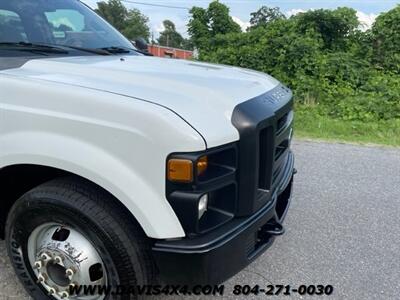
334 26
132 23
209 23
264 16
335 70
198 27
114 12
136 25
386 40
170 37
219 20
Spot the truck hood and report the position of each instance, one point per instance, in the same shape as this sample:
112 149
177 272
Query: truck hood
204 95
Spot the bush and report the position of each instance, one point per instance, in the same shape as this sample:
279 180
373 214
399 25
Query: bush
332 67
378 99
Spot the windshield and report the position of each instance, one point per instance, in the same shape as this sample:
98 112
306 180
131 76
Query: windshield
64 23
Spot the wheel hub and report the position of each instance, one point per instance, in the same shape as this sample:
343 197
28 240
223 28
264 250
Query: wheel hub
63 258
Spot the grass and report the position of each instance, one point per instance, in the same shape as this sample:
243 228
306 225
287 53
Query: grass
309 124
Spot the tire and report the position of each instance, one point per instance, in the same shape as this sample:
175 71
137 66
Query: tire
90 212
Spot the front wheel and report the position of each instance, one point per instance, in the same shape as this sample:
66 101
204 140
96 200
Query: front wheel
68 234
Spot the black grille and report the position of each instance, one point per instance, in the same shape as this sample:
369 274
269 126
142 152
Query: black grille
283 139
265 125
274 146
266 158
282 122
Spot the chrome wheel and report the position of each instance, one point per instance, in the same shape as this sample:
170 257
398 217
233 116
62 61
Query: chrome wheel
62 257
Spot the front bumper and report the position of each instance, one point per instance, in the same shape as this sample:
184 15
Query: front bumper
216 256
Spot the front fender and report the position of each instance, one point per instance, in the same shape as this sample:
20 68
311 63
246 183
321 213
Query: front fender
119 143
104 170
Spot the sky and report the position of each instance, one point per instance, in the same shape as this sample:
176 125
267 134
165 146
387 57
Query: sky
241 9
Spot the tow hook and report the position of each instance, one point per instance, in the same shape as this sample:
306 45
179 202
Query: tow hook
274 228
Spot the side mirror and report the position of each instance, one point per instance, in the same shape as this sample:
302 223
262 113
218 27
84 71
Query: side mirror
141 45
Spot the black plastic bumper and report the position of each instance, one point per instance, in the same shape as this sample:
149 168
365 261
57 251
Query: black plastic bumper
220 254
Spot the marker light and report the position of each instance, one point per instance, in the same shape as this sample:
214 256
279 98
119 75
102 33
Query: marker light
202 165
203 204
180 170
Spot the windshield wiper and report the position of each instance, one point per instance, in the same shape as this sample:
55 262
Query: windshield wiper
90 50
116 50
63 49
49 48
23 46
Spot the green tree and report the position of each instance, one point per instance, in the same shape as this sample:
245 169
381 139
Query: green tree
219 20
198 27
334 26
132 23
265 15
187 44
207 24
170 37
114 12
136 25
386 40
322 56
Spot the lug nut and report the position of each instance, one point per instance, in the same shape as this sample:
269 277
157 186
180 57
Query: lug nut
58 259
38 265
69 272
45 257
41 278
64 295
73 284
52 291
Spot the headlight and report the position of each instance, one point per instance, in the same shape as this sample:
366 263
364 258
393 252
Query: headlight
201 187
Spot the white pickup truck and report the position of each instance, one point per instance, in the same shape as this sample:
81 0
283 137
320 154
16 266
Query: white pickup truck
122 169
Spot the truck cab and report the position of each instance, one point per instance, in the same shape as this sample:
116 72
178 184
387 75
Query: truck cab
119 169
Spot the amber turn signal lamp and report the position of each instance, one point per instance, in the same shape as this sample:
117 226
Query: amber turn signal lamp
202 165
180 170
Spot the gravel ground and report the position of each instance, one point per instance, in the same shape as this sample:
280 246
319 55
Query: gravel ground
342 229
